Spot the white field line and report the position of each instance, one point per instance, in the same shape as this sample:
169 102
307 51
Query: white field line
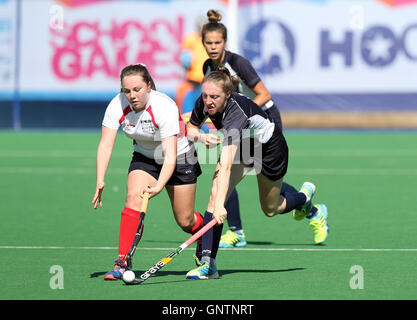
123 171
67 153
354 171
233 249
4 153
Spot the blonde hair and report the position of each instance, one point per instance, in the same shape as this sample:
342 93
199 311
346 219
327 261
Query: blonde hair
221 76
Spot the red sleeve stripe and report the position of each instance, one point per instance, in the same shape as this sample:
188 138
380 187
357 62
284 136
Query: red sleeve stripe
126 110
183 127
149 110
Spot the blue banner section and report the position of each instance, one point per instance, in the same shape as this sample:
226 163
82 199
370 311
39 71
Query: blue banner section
366 102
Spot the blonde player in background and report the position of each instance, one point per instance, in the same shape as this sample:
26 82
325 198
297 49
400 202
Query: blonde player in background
193 55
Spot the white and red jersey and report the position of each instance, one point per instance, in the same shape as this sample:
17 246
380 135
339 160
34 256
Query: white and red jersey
160 119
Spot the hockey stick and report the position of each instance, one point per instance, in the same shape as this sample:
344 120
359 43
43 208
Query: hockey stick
164 261
139 231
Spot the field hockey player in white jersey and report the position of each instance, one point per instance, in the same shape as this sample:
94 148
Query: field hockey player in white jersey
162 157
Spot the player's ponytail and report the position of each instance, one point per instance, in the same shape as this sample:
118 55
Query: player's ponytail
213 16
235 80
214 24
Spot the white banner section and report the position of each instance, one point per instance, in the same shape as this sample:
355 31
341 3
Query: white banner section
332 47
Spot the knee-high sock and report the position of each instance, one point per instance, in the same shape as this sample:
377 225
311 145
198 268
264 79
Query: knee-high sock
128 225
293 198
211 238
199 224
287 188
233 212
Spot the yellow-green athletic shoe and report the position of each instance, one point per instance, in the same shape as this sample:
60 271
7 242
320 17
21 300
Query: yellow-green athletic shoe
232 239
203 272
319 224
308 189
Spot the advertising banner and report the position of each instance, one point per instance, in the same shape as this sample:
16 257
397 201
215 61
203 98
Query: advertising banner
76 49
7 47
319 54
342 49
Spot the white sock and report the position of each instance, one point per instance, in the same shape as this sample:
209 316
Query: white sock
210 261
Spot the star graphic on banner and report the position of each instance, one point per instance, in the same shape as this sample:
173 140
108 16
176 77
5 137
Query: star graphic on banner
379 47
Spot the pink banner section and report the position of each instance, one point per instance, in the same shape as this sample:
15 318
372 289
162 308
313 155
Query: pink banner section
76 3
81 51
398 2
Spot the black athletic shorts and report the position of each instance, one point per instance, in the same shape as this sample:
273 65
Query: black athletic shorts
274 115
272 162
275 156
186 170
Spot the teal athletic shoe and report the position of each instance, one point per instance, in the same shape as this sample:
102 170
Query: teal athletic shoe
232 239
319 225
197 261
308 189
203 272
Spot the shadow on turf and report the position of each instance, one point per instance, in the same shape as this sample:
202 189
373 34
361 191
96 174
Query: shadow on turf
261 243
256 243
179 273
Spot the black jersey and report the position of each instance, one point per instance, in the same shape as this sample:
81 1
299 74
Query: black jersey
242 120
240 67
240 113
